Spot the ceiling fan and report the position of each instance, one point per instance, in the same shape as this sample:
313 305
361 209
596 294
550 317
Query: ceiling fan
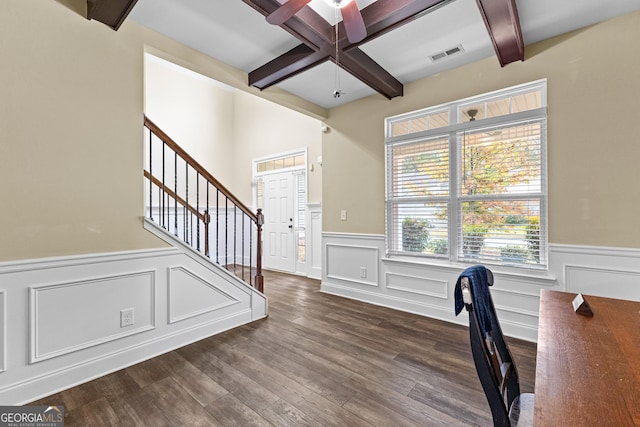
353 22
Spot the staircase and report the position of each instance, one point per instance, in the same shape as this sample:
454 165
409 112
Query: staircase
188 203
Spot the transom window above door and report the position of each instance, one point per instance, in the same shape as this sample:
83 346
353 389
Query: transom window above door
295 160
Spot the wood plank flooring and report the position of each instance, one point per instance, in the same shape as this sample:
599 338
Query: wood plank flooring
317 360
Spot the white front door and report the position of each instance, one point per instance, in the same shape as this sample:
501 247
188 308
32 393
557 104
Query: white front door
279 236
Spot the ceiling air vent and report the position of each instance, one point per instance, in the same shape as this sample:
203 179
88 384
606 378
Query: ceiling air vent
445 54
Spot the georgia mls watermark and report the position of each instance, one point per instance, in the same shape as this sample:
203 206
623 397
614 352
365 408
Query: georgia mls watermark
31 416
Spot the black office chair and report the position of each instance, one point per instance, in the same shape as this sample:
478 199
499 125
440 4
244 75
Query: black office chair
494 364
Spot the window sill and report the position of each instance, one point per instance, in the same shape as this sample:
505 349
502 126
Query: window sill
504 271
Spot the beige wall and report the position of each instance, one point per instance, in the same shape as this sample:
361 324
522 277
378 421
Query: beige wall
225 129
71 114
195 111
263 128
593 146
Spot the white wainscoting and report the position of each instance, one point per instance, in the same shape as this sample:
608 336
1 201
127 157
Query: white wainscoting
60 321
427 288
71 306
607 272
191 295
362 268
3 330
314 241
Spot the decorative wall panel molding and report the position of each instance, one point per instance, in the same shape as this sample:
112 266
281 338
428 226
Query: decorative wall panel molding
417 285
362 265
3 330
68 317
353 236
62 323
593 270
190 295
599 251
426 287
517 301
607 282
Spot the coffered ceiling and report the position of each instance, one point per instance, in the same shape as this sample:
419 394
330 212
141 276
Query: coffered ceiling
237 33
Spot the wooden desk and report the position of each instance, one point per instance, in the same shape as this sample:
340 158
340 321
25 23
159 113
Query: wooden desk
587 368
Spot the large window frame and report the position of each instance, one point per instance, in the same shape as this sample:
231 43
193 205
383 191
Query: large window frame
441 137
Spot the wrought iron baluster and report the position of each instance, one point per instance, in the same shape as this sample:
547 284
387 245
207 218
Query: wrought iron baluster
186 204
206 230
217 225
243 217
163 224
198 209
259 279
250 255
201 210
175 192
226 232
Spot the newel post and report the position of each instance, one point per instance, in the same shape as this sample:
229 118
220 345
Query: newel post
259 282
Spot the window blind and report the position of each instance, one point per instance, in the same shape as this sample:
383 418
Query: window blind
473 190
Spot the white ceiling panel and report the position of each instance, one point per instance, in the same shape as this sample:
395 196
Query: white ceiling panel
233 32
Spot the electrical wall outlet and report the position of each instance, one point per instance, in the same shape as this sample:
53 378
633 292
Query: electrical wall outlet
363 272
343 215
126 317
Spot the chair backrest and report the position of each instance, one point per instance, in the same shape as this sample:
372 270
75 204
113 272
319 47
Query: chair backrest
494 364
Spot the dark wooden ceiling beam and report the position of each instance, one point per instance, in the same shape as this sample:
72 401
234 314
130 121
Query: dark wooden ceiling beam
295 61
319 44
317 36
503 24
302 58
361 66
110 12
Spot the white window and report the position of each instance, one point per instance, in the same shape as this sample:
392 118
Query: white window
466 181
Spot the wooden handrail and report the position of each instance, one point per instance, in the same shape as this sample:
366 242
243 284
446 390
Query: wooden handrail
197 166
203 216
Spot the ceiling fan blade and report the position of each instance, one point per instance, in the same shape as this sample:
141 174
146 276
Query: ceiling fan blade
353 22
286 11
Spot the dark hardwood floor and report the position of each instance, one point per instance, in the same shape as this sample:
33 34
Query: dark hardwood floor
317 360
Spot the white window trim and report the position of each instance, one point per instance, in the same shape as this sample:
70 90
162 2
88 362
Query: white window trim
296 170
453 198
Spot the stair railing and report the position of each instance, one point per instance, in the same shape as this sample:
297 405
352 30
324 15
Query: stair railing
188 202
